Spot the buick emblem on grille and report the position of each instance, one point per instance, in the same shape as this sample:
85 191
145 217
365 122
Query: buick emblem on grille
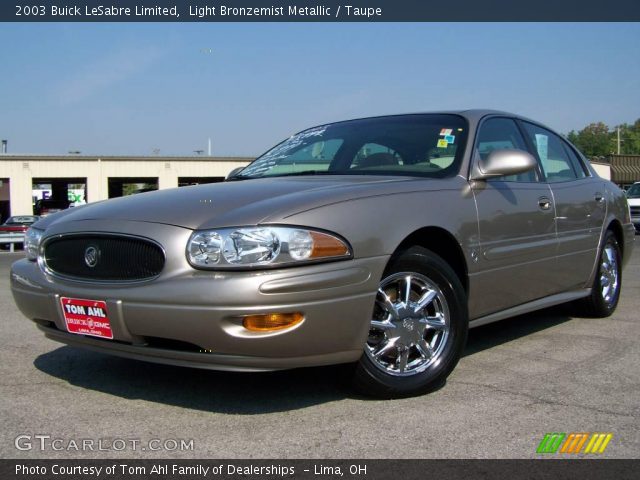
91 255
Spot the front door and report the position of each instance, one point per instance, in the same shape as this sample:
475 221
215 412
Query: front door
517 229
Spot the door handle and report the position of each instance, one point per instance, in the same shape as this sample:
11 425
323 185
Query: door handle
544 203
598 197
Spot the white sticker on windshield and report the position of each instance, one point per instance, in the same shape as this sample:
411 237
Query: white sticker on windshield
270 159
446 131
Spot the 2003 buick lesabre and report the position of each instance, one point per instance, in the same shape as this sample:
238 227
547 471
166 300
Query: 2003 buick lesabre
377 242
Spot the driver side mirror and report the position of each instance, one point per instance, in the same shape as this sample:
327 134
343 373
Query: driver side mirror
503 162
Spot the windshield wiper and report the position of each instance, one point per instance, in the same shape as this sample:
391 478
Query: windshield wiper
238 177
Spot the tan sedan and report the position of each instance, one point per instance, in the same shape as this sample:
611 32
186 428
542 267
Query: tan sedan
375 242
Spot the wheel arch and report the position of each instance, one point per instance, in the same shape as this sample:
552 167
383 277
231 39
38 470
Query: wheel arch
616 227
444 244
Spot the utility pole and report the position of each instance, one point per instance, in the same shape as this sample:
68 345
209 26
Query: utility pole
618 130
209 149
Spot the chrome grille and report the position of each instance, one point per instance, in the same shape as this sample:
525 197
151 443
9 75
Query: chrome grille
635 211
103 257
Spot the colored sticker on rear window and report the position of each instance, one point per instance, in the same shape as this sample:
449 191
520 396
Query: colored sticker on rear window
445 131
450 138
442 143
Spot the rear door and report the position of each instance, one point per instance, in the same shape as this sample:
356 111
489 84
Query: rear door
516 226
580 202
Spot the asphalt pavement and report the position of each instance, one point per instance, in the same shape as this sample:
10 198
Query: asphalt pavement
518 380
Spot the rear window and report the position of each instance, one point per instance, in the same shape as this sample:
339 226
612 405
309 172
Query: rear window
22 220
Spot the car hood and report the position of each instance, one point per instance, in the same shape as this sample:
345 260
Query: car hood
634 202
246 202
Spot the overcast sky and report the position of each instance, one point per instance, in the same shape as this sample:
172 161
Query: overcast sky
118 89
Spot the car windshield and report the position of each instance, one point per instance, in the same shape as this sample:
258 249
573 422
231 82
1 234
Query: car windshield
634 191
429 145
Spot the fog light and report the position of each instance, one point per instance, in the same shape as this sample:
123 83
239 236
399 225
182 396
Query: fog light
272 321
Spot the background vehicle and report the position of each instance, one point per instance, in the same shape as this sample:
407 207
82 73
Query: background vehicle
377 241
46 206
633 197
16 225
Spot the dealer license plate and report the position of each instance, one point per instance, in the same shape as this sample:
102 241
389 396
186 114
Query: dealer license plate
86 317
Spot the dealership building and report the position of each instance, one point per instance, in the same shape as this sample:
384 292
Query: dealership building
26 180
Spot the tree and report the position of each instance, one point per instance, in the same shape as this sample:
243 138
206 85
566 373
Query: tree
594 140
572 136
629 138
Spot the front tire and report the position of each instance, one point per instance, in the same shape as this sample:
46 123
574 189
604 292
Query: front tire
605 291
418 329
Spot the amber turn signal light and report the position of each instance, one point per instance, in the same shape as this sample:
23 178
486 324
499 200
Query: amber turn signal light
327 246
271 322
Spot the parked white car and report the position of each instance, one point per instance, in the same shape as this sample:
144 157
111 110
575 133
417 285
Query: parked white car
633 198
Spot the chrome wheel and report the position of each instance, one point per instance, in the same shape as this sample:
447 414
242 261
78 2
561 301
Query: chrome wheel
607 284
410 326
609 274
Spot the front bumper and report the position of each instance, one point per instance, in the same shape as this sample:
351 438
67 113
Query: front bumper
193 318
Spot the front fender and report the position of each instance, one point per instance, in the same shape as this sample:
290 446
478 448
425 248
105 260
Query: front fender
378 225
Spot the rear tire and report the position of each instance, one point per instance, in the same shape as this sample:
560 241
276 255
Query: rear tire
419 327
605 291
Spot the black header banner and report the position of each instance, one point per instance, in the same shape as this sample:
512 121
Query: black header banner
122 469
319 11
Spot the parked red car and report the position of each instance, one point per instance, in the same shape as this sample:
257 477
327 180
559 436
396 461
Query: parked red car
16 225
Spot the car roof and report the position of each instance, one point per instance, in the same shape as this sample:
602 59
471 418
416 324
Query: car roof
473 115
476 114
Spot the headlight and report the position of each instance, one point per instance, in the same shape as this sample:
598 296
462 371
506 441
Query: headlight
204 248
263 246
32 239
251 246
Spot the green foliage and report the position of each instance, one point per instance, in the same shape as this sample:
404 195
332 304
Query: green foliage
572 136
594 140
598 140
630 137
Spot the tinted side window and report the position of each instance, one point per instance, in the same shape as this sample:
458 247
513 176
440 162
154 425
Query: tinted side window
499 134
578 165
555 162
